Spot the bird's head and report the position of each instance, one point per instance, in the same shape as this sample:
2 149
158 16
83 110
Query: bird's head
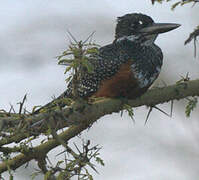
140 25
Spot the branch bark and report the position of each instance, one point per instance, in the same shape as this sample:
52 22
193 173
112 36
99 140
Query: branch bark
90 113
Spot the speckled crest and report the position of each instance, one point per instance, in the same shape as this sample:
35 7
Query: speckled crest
130 24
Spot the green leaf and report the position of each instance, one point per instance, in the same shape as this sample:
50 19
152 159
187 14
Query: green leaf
175 5
68 79
65 61
92 50
61 176
59 163
129 109
88 65
90 177
76 52
11 177
100 161
35 108
65 53
47 175
33 175
68 69
190 106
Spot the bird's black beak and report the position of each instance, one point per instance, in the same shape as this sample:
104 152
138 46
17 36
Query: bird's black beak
157 28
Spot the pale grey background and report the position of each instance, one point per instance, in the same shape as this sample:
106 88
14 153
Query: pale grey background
32 33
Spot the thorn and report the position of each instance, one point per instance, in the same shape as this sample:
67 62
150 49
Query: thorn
121 113
90 36
187 76
77 148
188 99
171 112
164 83
49 160
150 110
72 36
11 109
65 159
93 167
22 103
161 111
61 153
195 47
38 123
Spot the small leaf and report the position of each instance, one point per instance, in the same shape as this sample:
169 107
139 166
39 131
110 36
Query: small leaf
11 177
190 106
92 50
68 69
47 175
68 79
88 65
100 161
90 177
35 108
65 61
129 109
175 5
59 163
33 175
66 53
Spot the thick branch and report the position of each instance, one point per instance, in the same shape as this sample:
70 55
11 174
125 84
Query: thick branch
91 113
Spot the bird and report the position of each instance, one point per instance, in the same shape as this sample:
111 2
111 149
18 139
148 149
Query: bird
129 65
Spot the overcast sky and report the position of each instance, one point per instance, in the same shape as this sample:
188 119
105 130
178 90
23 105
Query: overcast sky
33 33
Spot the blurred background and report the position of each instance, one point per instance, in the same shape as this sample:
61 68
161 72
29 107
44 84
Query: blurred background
33 33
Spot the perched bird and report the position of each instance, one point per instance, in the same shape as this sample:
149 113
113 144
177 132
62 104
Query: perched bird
128 66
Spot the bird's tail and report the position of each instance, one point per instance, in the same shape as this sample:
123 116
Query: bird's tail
56 102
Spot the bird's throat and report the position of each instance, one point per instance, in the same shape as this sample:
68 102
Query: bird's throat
141 39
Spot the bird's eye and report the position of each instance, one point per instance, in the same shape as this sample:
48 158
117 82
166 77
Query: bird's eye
136 24
140 22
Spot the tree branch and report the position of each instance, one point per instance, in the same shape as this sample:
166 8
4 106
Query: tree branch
90 113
